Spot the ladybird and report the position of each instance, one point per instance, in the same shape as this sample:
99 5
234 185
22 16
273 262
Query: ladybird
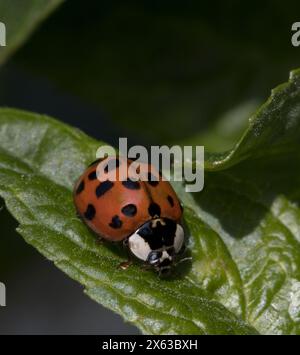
145 214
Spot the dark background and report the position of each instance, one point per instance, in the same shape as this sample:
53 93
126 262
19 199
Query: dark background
150 71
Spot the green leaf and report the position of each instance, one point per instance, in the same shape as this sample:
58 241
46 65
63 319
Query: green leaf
243 229
20 19
40 159
254 209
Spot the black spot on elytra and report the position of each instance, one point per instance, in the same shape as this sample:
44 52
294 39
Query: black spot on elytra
171 201
103 187
130 184
93 175
154 209
129 210
90 212
115 222
80 188
152 180
111 165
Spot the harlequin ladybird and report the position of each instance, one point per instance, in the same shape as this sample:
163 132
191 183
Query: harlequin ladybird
145 214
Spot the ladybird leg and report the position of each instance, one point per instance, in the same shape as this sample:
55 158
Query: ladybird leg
78 215
99 240
125 243
146 267
125 264
126 248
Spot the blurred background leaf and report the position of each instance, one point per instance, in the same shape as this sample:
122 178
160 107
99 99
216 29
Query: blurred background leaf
20 19
165 71
12 249
272 129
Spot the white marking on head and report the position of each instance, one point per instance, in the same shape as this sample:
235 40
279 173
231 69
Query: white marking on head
165 255
139 247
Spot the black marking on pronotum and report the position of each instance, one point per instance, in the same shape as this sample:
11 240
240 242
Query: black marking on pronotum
93 175
97 161
171 200
103 187
115 222
132 185
152 180
129 210
90 212
171 251
80 188
111 165
154 209
162 235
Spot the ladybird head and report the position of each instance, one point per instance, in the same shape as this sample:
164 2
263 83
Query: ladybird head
157 242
